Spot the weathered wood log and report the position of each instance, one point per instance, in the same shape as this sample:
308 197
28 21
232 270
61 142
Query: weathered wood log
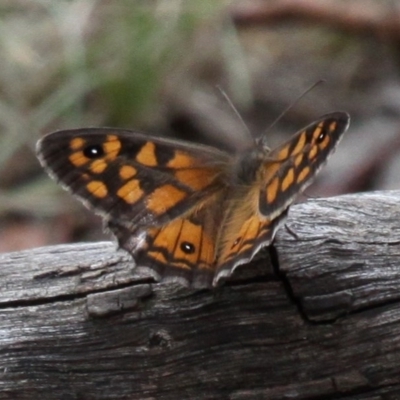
317 316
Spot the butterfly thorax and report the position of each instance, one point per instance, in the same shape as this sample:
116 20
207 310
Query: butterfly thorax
247 166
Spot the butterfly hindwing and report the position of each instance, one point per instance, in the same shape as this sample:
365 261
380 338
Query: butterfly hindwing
253 234
183 250
133 178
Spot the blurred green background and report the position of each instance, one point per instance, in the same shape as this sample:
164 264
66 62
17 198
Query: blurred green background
156 66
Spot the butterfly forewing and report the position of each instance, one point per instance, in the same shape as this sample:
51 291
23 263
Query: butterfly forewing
291 167
133 178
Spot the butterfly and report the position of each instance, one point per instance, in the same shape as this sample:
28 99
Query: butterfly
187 212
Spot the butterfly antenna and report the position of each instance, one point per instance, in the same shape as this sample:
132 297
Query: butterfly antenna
232 106
291 106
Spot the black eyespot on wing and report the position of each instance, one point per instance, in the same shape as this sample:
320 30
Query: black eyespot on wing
187 248
321 136
236 242
93 151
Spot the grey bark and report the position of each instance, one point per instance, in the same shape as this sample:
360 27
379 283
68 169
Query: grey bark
316 316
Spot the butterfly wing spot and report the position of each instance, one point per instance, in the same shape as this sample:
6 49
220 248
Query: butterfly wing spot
321 137
77 143
299 146
98 166
283 154
127 172
97 189
112 147
288 180
180 160
147 156
92 152
323 141
130 192
195 179
321 134
78 159
313 152
187 247
332 126
161 243
303 174
298 159
236 242
272 190
164 198
270 170
248 230
167 237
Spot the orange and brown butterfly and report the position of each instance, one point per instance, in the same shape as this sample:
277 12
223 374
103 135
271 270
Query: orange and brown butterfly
186 212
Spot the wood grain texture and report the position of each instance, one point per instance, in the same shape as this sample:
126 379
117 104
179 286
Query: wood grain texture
315 317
